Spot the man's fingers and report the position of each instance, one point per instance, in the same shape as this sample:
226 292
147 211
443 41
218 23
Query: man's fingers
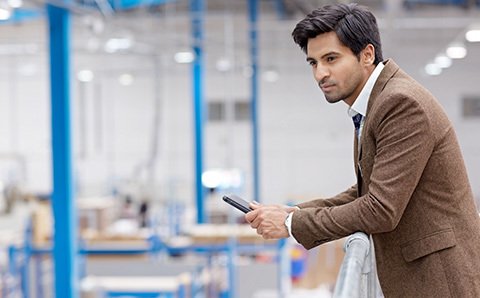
255 205
251 216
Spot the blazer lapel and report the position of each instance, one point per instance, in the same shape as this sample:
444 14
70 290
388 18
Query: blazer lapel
390 69
355 150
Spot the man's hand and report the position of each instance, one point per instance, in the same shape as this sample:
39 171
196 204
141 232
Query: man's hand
269 220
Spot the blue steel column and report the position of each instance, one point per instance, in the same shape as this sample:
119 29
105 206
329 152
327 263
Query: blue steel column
253 15
197 10
280 7
65 245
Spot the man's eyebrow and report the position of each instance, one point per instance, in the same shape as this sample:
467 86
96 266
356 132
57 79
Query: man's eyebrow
323 56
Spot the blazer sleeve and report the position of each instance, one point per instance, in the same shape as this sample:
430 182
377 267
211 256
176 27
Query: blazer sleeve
340 199
404 143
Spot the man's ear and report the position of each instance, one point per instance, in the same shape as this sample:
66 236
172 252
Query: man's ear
368 54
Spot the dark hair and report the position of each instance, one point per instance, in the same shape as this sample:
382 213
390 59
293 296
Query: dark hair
355 26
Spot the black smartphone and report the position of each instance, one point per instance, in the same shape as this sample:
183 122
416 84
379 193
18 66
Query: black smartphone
237 202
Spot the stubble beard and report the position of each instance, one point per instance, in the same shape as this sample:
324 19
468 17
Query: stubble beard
332 99
339 96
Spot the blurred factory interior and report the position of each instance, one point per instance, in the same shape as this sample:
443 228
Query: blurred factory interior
143 113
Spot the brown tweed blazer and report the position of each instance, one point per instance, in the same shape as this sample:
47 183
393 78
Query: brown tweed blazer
414 199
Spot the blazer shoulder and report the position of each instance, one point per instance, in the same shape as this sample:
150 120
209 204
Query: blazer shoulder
402 96
393 82
395 87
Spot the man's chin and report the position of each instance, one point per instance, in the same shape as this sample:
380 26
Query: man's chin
332 99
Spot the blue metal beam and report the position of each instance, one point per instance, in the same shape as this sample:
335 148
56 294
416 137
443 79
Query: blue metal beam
130 4
197 11
280 7
253 16
63 203
20 15
23 14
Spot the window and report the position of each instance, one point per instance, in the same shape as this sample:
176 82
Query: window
242 111
471 107
217 111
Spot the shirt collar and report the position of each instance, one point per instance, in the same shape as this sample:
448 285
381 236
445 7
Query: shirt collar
361 102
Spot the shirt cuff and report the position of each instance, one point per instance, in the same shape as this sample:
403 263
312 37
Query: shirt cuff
288 224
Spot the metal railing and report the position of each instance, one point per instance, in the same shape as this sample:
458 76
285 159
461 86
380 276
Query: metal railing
357 277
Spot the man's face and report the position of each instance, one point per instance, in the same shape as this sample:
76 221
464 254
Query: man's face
338 72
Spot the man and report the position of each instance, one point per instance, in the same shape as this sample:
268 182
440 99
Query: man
412 192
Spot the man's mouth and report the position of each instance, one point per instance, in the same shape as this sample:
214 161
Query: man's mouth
326 87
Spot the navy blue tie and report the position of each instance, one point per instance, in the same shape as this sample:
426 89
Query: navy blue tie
357 119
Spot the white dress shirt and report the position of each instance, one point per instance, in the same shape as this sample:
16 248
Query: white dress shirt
361 102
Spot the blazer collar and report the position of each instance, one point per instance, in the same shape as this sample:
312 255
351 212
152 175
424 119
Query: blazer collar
387 73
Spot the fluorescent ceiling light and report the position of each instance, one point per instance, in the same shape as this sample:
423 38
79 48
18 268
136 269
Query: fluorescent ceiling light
456 51
222 178
184 57
85 75
443 61
271 76
15 3
223 65
433 69
212 178
4 14
126 79
117 44
473 35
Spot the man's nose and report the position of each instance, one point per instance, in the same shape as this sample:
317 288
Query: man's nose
321 73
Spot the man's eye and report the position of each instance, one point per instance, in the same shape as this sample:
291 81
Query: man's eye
312 63
330 59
